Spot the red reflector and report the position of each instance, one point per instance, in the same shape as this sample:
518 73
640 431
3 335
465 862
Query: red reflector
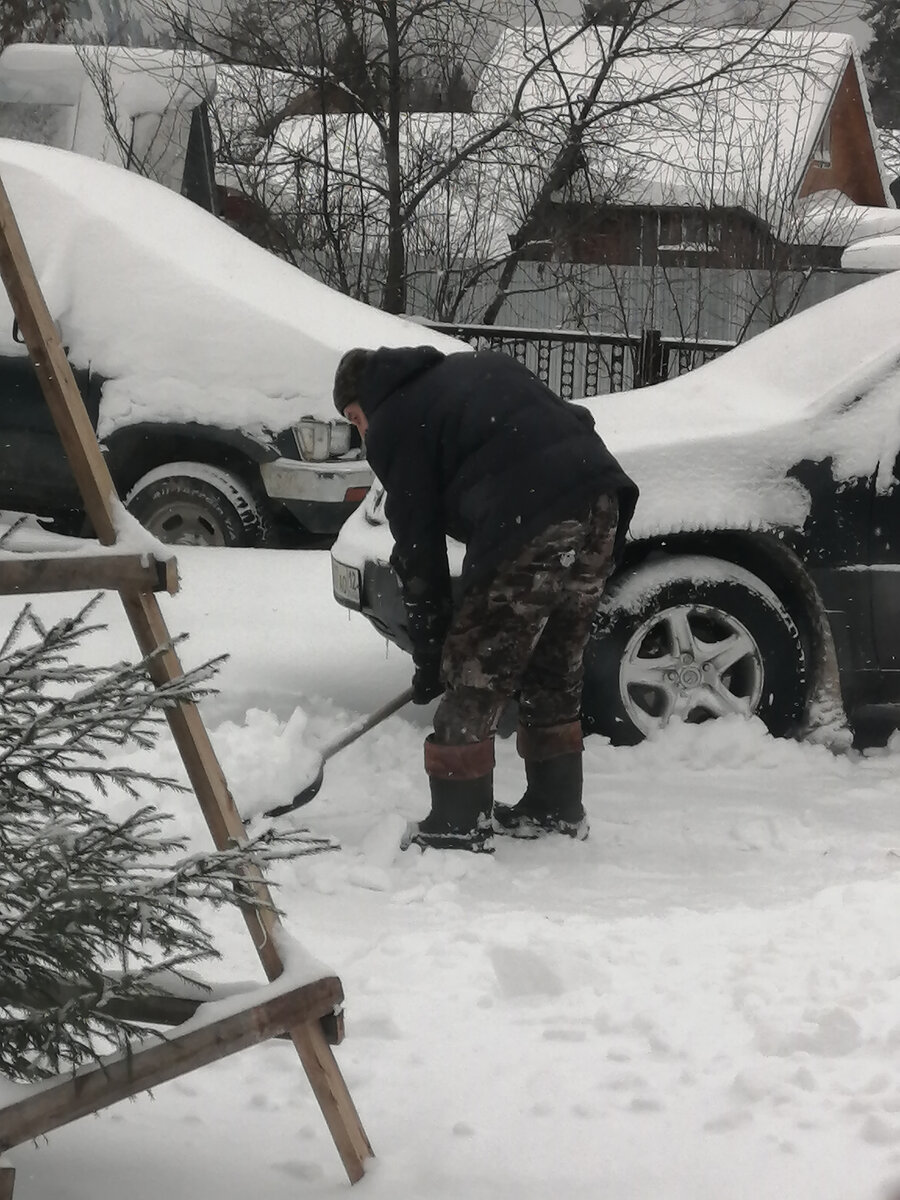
354 495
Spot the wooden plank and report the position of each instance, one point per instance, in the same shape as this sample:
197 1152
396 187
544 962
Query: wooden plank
110 1082
157 1007
7 1182
330 1088
203 769
82 573
55 376
166 1008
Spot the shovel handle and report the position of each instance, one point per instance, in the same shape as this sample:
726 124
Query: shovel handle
366 723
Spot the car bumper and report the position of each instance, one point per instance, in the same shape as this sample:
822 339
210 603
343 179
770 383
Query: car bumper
321 496
375 592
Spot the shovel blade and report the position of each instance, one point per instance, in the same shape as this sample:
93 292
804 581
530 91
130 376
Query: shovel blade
303 796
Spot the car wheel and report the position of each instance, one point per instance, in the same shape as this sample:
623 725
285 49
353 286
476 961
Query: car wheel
691 639
194 504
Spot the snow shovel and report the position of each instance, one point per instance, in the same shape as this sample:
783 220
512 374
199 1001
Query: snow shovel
311 789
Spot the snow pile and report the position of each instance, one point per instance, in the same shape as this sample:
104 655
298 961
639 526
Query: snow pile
830 218
699 1001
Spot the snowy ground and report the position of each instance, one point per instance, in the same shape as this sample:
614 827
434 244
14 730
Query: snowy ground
702 1002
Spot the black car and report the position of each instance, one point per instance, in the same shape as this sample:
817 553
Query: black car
762 573
188 483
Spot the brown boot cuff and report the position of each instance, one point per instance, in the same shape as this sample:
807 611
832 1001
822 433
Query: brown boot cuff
552 741
471 761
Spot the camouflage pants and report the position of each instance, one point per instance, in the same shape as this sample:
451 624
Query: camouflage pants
525 631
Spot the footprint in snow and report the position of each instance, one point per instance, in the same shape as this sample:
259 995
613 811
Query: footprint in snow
521 972
309 1172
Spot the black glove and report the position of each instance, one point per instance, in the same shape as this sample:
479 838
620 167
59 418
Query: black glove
426 681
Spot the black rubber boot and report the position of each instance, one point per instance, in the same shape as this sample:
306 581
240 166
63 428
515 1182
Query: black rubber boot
551 804
553 798
459 818
461 779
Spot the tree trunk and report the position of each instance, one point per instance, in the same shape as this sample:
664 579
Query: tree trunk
534 221
393 299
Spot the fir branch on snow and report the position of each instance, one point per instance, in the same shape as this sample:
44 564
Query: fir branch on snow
92 908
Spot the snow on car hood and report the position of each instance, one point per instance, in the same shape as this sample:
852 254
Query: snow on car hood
188 319
714 449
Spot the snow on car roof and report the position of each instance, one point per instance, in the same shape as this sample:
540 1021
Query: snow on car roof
815 362
188 319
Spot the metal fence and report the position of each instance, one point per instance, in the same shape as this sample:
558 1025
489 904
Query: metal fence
575 364
683 302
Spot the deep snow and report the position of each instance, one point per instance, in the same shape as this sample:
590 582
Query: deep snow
702 1002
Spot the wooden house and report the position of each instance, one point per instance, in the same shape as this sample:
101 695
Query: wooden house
755 151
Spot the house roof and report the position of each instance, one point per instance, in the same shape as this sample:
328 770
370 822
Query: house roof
741 139
734 121
828 218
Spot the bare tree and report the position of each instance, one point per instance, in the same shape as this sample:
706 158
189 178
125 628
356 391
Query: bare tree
633 97
372 61
345 130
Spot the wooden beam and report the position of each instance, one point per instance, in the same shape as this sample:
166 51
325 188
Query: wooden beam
55 376
7 1182
28 574
176 1054
101 505
157 1007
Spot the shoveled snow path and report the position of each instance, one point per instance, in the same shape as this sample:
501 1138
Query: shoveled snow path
702 1002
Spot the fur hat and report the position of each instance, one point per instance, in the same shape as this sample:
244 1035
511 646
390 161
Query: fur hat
347 377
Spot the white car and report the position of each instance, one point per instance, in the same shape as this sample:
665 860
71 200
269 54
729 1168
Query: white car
206 363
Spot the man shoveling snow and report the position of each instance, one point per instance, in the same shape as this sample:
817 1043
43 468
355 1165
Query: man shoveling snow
474 446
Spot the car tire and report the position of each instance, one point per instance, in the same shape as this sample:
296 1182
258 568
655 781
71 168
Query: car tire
691 639
195 504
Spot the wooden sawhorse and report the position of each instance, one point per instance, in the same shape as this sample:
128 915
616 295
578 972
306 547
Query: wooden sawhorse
254 1017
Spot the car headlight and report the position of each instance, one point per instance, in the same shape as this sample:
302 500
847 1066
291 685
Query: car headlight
319 441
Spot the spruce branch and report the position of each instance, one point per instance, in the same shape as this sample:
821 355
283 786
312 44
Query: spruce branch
92 908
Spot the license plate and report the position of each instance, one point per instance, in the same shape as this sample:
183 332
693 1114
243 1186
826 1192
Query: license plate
346 583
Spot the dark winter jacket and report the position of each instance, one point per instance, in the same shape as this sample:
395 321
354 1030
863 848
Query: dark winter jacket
474 446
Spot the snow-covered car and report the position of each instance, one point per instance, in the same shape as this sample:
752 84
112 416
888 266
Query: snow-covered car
762 572
206 363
